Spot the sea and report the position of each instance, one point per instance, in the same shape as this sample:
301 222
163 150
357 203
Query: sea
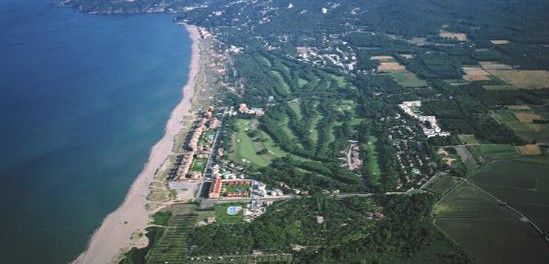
83 98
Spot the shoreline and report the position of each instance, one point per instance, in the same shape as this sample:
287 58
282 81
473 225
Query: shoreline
114 234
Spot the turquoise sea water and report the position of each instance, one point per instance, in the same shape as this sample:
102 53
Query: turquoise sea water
82 100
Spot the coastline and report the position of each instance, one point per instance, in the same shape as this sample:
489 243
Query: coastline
114 234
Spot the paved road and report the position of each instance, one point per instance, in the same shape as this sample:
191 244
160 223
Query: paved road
206 202
212 155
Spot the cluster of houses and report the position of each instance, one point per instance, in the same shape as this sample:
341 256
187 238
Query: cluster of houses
256 111
255 209
413 164
259 190
215 188
354 162
340 56
428 124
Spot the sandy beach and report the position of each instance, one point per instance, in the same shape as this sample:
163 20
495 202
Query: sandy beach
114 235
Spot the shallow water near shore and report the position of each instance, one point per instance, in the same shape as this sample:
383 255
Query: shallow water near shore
82 100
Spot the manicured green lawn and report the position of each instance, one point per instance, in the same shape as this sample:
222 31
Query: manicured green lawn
284 89
294 105
222 217
199 165
372 165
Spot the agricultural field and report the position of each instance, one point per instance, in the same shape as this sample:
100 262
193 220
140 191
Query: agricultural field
468 139
522 182
390 67
442 184
521 122
486 152
530 150
475 74
407 79
172 245
523 79
487 231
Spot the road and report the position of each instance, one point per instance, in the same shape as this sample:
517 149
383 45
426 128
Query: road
212 155
206 202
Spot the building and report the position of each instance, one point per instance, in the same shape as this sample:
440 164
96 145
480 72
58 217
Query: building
215 188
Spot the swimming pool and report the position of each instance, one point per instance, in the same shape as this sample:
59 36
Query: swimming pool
233 210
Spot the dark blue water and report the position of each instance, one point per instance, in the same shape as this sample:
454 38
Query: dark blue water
82 100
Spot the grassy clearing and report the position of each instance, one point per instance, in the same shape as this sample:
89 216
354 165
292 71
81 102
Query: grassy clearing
252 149
372 165
285 127
284 88
345 105
245 147
314 130
294 105
499 87
468 139
340 80
221 216
302 82
198 165
407 79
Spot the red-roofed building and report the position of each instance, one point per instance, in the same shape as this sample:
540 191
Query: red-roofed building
215 189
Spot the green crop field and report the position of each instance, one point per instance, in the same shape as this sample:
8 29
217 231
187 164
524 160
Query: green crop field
468 139
491 233
407 79
523 182
442 184
528 131
172 245
486 152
